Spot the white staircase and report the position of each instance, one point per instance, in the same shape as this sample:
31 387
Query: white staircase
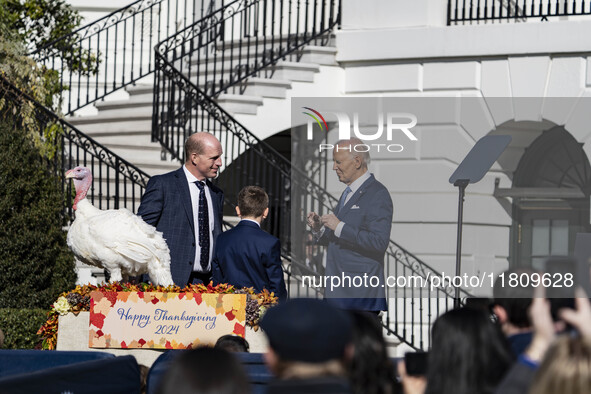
124 125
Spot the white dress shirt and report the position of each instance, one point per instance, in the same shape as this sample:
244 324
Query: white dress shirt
251 220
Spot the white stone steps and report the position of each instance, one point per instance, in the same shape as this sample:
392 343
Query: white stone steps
124 122
309 53
324 56
116 112
253 86
105 200
152 147
107 189
121 115
114 136
295 71
263 87
152 166
142 155
98 127
282 70
133 102
136 141
157 167
231 56
139 88
282 74
238 103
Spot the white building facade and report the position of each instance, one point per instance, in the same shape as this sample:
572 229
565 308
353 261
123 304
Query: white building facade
529 78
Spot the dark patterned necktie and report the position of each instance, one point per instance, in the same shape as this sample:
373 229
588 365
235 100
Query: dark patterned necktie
203 226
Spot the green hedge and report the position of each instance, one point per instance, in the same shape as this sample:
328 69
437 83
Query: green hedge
35 262
20 327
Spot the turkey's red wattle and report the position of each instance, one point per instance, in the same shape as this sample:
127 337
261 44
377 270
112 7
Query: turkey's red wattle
82 186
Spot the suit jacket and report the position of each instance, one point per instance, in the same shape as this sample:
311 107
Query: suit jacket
166 205
360 249
247 256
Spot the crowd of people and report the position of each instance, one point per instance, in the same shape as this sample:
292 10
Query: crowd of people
316 347
512 346
520 342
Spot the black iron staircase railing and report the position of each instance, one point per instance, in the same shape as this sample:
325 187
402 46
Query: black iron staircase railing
116 50
468 12
203 61
243 38
246 158
249 160
236 41
224 47
232 43
117 183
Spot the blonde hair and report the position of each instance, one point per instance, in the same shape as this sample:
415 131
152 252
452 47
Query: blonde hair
566 368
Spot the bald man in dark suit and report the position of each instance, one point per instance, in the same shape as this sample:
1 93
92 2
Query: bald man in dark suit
187 208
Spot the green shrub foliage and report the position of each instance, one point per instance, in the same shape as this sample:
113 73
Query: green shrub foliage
35 262
20 327
49 27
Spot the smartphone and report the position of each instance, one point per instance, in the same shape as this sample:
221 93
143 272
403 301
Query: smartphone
583 256
562 279
416 363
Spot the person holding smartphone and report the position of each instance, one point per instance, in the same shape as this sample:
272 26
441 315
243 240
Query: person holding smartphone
541 368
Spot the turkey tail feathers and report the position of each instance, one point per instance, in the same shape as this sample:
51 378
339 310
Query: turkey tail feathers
158 267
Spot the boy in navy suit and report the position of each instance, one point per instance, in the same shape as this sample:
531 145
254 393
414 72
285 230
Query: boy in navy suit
247 256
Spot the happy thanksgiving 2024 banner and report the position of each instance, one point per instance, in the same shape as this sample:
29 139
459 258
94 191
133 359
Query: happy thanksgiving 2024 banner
163 320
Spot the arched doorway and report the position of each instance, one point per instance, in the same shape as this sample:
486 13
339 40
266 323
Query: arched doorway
551 205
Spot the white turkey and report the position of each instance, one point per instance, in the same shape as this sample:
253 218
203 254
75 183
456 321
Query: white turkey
115 239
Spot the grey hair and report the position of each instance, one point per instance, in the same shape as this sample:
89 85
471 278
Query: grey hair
364 156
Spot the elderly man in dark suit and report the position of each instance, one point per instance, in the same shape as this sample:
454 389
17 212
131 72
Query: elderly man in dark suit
187 208
357 234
